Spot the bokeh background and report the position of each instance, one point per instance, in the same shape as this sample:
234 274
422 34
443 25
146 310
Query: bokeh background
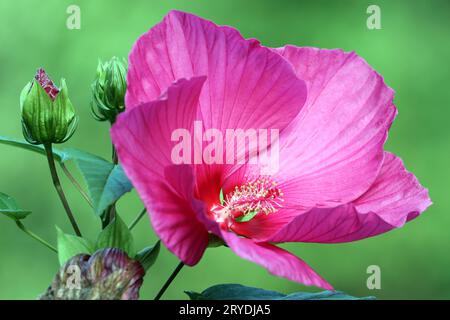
411 51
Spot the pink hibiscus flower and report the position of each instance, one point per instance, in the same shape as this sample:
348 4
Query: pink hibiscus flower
334 182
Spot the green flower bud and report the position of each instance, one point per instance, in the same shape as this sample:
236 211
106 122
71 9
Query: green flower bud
108 89
48 116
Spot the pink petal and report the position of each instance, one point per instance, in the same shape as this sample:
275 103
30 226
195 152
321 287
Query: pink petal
142 137
264 226
247 86
396 195
335 147
276 260
394 198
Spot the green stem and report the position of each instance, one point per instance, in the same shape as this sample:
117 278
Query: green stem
110 213
105 218
115 159
137 219
35 236
169 281
76 184
59 189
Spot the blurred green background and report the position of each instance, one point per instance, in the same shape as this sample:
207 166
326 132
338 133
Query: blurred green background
411 51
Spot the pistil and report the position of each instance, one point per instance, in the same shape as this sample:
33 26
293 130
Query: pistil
258 196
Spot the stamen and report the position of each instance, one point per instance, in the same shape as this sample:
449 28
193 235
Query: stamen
260 195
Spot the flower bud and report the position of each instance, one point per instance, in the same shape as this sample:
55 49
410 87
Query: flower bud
109 274
108 89
48 116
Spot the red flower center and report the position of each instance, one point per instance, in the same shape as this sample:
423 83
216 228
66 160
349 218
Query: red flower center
259 196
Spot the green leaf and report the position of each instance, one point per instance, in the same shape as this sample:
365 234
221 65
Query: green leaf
247 217
116 235
69 246
106 182
147 256
324 295
58 154
240 292
9 208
